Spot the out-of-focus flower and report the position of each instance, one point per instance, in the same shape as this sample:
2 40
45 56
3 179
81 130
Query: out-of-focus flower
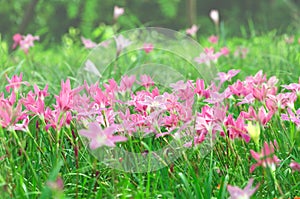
214 15
208 56
122 43
227 76
241 52
58 184
148 47
213 39
192 31
17 39
289 40
101 137
266 158
118 11
238 193
295 166
225 51
254 131
27 42
88 43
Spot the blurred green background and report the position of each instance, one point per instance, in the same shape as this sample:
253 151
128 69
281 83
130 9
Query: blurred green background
91 18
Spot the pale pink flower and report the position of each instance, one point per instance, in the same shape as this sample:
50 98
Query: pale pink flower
122 43
299 41
214 15
291 116
118 11
27 42
238 193
192 31
101 137
289 40
146 81
208 56
148 47
249 99
241 52
295 166
227 76
213 39
126 83
88 43
266 158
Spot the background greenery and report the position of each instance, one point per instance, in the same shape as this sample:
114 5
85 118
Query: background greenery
52 19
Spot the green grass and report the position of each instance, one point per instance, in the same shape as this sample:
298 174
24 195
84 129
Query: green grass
29 160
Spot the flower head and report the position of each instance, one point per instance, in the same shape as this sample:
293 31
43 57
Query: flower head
118 11
246 193
192 31
214 15
101 137
266 157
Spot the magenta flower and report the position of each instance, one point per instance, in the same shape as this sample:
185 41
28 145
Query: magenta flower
262 116
126 83
17 39
118 11
225 51
266 158
101 137
238 193
295 166
88 43
213 39
148 47
192 31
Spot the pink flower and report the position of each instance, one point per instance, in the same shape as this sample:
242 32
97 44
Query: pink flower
126 83
27 42
227 76
118 11
208 56
122 43
224 51
148 47
291 116
241 52
146 81
88 43
246 193
214 15
266 157
17 39
213 39
295 166
101 137
192 31
263 117
15 83
289 40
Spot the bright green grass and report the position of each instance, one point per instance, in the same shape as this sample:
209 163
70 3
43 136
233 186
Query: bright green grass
33 159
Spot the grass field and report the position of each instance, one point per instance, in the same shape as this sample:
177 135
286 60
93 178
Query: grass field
44 155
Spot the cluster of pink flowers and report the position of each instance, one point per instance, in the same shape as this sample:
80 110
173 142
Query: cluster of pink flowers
25 42
112 112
